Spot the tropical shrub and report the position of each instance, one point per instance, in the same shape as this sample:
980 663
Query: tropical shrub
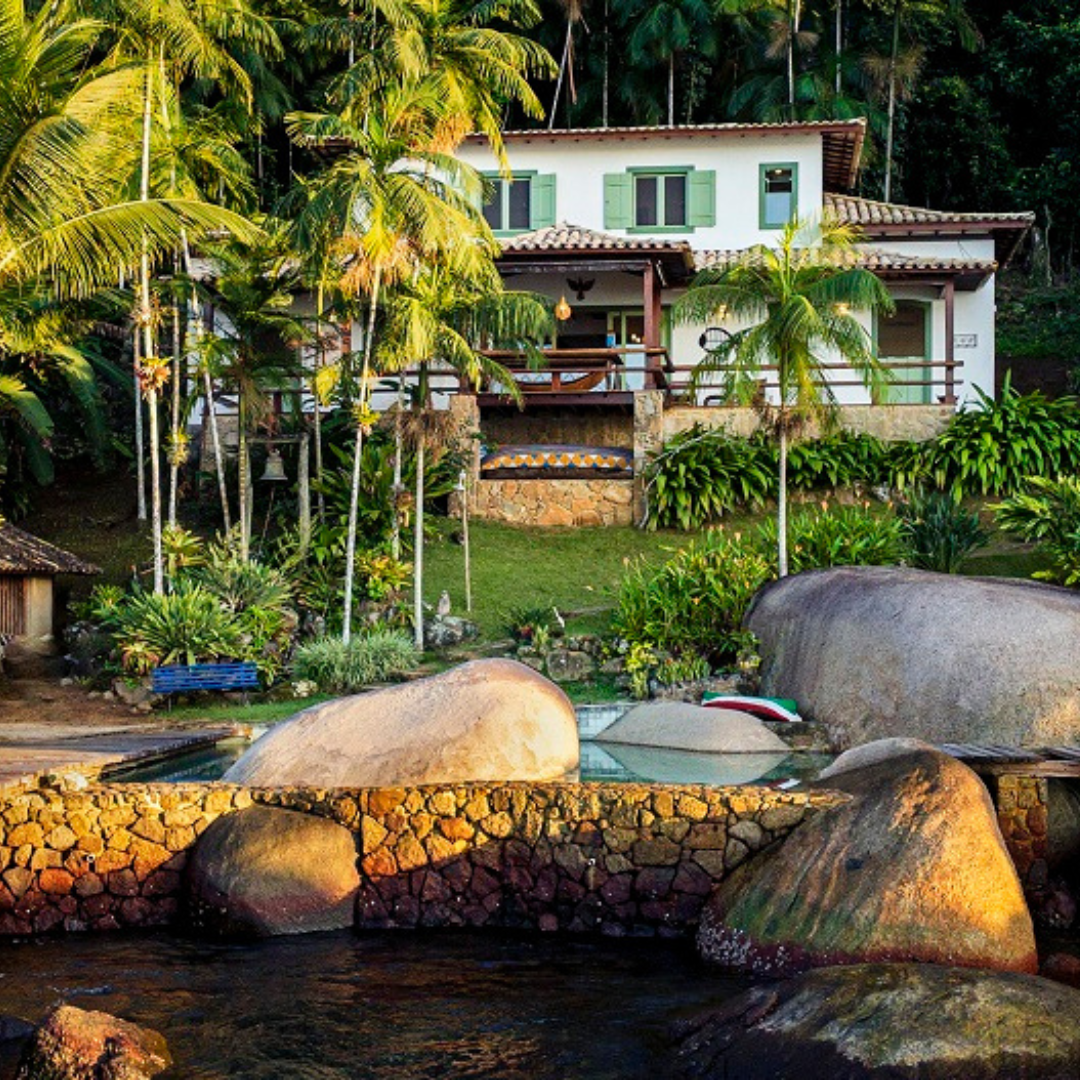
186 626
938 533
993 449
701 474
844 536
693 604
1048 514
376 656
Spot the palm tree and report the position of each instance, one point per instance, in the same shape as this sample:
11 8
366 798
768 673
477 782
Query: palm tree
392 199
442 317
797 300
662 29
254 348
900 69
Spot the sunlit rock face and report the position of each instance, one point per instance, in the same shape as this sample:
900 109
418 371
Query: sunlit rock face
904 1021
485 720
265 871
872 651
76 1044
676 725
911 868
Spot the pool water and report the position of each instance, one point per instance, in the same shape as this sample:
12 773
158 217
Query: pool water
598 762
417 1006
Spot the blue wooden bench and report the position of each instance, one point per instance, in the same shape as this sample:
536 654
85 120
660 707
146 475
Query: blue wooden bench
187 678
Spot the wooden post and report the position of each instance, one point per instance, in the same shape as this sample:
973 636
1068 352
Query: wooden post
950 344
651 303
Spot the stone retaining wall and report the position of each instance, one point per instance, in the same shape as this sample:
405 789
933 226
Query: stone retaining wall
555 502
1022 804
615 858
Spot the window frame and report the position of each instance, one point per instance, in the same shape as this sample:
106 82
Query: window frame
763 171
504 202
660 171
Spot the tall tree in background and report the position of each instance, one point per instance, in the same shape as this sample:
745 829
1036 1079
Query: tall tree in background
795 303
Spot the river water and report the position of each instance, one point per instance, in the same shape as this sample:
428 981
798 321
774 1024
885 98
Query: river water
416 1006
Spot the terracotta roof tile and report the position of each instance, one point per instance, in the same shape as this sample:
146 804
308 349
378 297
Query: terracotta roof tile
869 259
567 237
868 212
21 553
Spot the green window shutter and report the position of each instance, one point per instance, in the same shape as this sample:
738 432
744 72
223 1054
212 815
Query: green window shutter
702 197
542 201
618 201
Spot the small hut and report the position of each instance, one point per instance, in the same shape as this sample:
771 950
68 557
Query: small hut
27 569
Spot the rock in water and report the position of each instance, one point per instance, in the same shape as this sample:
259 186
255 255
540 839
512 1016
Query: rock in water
912 868
678 726
902 1021
267 871
73 1044
873 651
485 720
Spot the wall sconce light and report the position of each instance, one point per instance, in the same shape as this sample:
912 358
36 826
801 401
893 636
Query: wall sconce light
563 311
721 313
842 309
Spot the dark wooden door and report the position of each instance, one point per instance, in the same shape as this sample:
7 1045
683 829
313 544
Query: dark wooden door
12 606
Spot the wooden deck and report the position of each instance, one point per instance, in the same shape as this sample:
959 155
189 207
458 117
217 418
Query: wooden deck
993 760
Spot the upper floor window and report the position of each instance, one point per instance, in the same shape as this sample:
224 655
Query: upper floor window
518 205
660 200
779 194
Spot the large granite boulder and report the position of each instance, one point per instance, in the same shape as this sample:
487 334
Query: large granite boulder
675 725
485 720
266 871
911 868
74 1044
902 1021
873 651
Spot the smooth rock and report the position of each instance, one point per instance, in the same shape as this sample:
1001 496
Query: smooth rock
484 720
676 725
859 757
570 665
911 868
900 1021
445 631
74 1044
875 651
266 871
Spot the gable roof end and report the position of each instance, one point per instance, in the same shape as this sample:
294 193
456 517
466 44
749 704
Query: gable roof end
21 553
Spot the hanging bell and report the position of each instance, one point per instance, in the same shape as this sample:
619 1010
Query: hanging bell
275 467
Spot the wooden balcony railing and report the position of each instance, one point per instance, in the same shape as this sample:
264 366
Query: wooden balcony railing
937 378
578 371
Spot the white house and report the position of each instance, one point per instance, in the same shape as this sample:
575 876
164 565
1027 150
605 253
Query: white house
635 211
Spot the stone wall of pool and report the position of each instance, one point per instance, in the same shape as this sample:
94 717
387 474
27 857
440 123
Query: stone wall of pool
617 859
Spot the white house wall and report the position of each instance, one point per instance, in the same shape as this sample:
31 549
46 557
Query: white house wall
580 167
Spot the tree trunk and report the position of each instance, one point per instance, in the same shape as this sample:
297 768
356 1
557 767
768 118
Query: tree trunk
320 363
839 42
174 416
140 437
395 534
562 73
671 91
149 354
418 550
889 130
607 69
303 485
354 493
243 466
781 501
793 18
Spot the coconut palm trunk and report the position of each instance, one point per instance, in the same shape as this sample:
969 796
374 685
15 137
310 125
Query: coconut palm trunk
150 359
354 491
890 129
140 434
781 502
418 547
175 449
244 477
